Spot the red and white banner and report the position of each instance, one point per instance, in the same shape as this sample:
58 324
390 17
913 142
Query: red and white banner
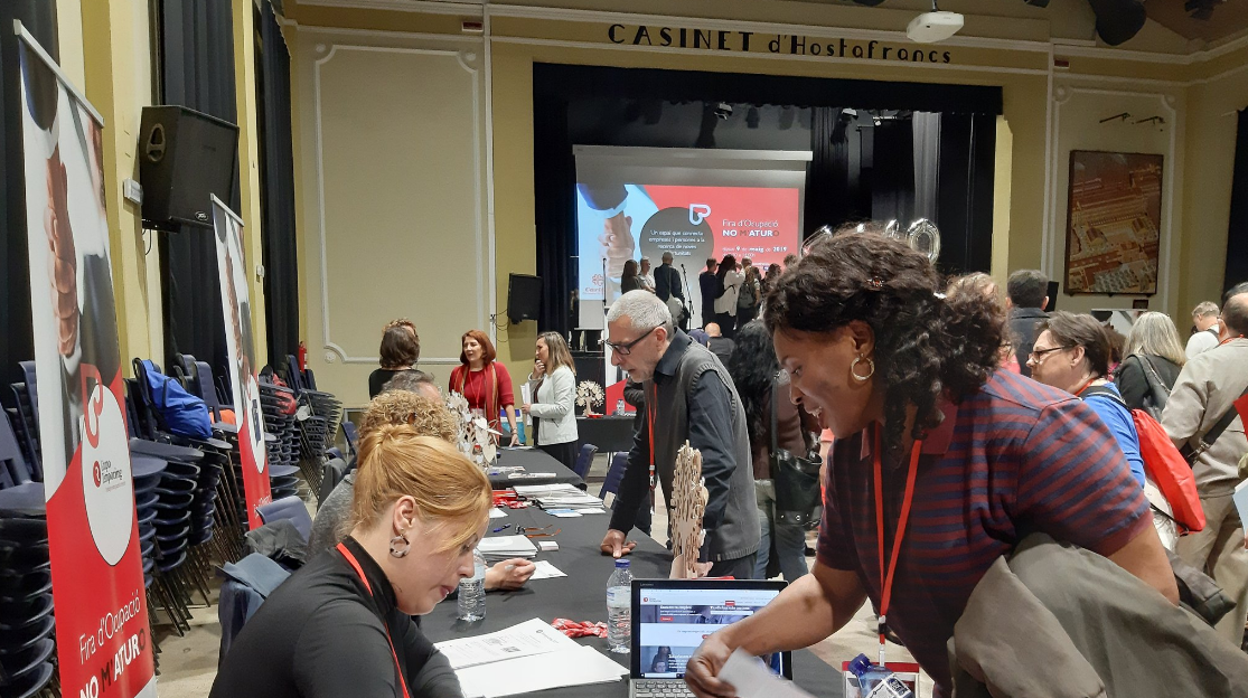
236 304
103 638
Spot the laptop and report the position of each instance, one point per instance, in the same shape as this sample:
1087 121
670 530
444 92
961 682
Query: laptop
670 618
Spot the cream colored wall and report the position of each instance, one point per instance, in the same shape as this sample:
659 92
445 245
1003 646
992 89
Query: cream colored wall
1210 142
391 142
1079 106
117 73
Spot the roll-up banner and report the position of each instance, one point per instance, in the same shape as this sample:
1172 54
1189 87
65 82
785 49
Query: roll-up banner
236 306
103 638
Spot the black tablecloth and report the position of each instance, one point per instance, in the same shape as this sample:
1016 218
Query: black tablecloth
534 461
607 433
582 596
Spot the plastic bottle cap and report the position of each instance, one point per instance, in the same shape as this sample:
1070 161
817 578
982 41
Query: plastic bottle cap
621 563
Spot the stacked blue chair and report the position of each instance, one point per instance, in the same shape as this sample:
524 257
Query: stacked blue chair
277 403
27 661
27 625
318 423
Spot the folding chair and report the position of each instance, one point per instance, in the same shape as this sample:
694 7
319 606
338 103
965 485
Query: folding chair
585 459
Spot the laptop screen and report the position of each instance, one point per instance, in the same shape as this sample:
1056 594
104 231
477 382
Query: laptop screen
671 617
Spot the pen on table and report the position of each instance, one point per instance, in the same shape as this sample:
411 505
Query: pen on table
502 528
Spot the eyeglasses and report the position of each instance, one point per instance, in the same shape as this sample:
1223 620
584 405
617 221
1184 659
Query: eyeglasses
1037 355
538 531
626 348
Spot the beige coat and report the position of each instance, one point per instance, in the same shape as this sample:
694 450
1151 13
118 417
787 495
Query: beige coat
1206 388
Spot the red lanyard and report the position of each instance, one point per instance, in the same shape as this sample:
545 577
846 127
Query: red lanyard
1085 386
368 587
886 579
1231 339
650 410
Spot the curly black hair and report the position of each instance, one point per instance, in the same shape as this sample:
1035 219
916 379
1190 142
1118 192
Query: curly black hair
925 345
753 367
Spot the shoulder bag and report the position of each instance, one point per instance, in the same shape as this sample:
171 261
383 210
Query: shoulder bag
799 500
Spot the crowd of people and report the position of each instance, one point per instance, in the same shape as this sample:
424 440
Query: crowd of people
964 429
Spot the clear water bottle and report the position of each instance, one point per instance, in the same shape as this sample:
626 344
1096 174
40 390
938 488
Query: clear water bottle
471 602
619 608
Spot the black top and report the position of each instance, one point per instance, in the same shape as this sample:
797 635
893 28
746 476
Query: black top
320 635
1024 324
377 380
721 347
709 286
630 283
1132 379
667 283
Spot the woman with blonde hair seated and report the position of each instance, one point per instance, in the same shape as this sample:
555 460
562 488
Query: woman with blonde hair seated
342 625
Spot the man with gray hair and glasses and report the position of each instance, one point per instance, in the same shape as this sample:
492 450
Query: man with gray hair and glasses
1205 318
689 397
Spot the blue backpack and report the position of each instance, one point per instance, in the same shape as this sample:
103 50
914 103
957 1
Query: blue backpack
183 413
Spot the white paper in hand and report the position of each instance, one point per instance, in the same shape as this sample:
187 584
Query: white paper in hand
751 678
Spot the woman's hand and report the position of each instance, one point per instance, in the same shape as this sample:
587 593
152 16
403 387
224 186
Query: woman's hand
525 408
539 368
515 438
509 574
704 665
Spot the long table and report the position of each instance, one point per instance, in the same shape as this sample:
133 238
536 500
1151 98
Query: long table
581 596
533 460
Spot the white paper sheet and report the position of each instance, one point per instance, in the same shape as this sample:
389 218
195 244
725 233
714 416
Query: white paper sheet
751 678
506 545
576 666
1241 500
497 513
531 637
545 570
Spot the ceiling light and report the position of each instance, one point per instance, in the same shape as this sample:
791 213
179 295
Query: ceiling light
934 26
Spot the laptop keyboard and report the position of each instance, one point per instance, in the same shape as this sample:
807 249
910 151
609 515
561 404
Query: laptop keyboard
660 688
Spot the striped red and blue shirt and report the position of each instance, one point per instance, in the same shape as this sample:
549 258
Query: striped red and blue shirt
1014 458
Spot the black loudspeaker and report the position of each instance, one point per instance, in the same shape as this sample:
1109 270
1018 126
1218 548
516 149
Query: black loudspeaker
1052 294
524 297
184 158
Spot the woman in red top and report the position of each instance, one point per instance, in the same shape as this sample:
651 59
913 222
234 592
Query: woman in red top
484 382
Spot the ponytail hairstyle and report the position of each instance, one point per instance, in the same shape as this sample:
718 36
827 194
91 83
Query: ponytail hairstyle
926 345
395 461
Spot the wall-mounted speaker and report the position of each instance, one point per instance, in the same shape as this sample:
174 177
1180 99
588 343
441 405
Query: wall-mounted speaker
184 158
524 297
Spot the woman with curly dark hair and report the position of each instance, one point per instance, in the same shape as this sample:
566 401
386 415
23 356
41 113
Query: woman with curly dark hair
754 370
942 464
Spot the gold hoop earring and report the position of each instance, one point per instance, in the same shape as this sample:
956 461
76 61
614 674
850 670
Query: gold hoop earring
870 366
399 545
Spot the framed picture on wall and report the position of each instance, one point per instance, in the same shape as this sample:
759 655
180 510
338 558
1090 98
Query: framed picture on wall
1113 222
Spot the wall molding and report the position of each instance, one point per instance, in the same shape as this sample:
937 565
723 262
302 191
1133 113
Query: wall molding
760 27
1053 240
676 50
428 7
486 288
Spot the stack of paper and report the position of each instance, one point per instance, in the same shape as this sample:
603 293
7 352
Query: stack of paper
531 656
558 496
507 546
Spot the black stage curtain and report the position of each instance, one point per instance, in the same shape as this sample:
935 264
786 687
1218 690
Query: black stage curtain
555 213
1237 231
277 189
16 336
968 147
892 173
827 178
197 71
